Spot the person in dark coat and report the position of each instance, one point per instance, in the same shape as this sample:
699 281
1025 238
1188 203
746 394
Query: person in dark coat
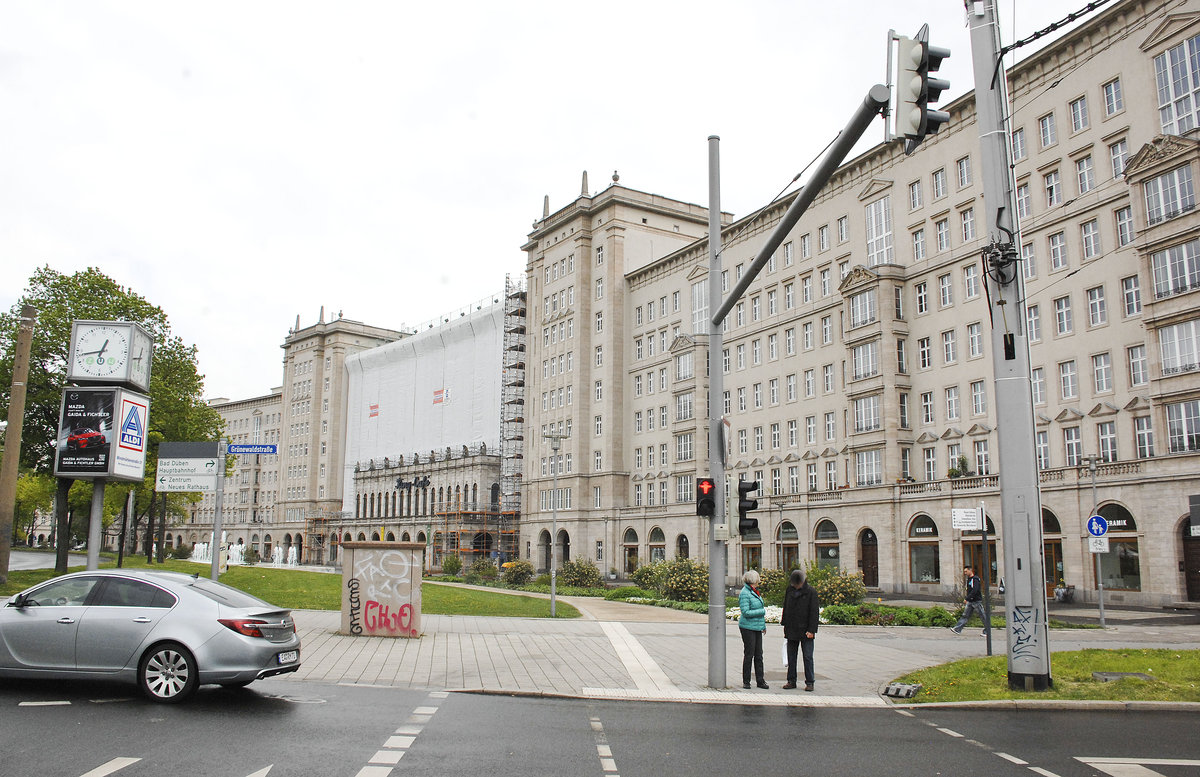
800 619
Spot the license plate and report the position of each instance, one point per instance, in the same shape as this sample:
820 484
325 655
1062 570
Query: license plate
288 657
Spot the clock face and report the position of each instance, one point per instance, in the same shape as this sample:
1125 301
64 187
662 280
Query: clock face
139 359
101 351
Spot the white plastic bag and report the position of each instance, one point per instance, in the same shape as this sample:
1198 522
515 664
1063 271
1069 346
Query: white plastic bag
783 654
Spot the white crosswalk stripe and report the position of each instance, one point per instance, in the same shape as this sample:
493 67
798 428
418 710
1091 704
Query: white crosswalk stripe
1133 767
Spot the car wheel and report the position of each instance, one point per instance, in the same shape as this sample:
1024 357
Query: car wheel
167 673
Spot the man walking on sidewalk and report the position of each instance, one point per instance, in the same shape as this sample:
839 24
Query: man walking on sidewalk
973 602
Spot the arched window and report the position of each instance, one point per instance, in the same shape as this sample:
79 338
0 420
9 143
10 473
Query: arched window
681 546
630 543
827 544
787 546
405 537
658 545
924 556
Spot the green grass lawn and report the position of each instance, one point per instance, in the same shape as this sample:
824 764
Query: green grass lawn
299 589
1175 677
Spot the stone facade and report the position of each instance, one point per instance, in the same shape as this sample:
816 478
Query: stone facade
857 366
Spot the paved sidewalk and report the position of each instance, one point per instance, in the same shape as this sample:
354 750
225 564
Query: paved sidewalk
627 651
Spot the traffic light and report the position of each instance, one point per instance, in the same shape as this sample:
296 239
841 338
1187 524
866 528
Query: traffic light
915 90
706 502
745 505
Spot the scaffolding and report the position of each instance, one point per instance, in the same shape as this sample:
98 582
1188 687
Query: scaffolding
467 530
512 414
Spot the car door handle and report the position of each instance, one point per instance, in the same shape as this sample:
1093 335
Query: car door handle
141 619
65 619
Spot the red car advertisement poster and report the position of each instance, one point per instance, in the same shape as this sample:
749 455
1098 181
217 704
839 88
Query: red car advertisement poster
85 432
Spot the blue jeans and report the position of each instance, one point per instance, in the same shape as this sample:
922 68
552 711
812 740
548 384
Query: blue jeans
966 616
804 646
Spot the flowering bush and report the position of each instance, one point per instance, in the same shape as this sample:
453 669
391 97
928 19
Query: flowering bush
483 568
517 572
835 585
772 584
580 573
649 576
684 580
773 613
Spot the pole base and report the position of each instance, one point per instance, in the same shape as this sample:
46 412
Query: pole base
1029 682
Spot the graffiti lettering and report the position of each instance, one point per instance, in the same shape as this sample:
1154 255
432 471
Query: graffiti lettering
355 606
378 617
383 576
1024 632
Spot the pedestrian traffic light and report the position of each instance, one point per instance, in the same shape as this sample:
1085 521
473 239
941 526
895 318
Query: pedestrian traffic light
745 505
915 90
706 493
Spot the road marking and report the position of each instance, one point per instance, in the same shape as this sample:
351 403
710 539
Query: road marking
948 731
603 751
1133 767
1013 758
644 670
382 763
1041 771
44 704
114 765
262 772
906 713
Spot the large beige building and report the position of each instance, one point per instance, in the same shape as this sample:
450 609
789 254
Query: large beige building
294 497
857 368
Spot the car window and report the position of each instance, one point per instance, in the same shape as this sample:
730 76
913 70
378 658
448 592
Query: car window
121 592
227 595
71 592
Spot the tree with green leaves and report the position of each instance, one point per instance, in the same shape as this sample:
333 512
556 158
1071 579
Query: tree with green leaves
177 407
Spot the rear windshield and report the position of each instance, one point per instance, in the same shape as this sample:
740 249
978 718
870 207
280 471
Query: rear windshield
227 595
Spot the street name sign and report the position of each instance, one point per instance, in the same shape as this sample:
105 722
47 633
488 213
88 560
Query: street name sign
253 449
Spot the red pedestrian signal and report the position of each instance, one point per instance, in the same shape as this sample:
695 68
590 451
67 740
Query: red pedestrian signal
706 503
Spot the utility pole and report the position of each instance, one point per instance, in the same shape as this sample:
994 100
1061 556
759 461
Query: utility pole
12 435
1020 502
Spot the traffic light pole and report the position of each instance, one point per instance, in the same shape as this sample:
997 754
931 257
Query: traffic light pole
1020 502
872 105
716 448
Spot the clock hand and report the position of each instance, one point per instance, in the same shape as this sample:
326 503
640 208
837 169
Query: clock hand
102 349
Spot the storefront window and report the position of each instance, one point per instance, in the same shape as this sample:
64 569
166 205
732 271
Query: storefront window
924 559
1120 569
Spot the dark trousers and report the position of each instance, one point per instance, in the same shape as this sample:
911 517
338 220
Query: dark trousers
752 654
804 646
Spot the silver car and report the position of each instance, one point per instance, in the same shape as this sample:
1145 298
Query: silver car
166 631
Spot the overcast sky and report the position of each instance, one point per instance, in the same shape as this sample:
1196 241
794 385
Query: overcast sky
239 163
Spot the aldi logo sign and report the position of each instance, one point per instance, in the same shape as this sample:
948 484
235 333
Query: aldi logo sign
133 428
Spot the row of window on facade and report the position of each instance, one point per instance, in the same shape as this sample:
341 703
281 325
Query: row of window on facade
412 502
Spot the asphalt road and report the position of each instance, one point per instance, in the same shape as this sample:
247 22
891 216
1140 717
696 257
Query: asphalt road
276 728
39 559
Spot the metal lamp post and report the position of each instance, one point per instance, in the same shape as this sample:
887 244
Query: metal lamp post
1091 462
555 444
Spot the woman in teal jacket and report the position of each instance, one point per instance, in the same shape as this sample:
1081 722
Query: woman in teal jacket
752 623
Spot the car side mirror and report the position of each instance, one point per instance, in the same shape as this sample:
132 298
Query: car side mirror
18 601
